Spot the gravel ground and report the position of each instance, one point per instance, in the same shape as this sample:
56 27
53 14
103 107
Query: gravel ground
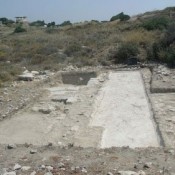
26 159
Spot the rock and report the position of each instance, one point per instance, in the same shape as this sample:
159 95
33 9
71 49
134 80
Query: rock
141 173
50 144
43 166
172 109
35 72
26 72
172 152
33 173
10 173
127 173
3 171
109 173
84 170
8 62
147 165
33 151
73 168
45 111
60 100
17 167
44 159
11 146
60 165
48 173
49 168
77 167
131 173
25 168
26 77
63 169
71 100
60 144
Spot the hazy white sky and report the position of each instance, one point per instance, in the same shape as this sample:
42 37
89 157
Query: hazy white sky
77 10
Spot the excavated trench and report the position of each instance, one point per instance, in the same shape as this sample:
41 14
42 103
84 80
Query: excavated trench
77 78
89 109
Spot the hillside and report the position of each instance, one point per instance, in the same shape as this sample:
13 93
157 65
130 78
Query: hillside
149 36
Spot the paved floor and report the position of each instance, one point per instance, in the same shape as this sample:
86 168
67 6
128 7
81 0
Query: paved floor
105 113
122 109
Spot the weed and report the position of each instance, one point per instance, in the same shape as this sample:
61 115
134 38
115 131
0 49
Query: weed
156 23
125 51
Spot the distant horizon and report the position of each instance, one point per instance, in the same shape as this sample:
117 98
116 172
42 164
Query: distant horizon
82 20
77 11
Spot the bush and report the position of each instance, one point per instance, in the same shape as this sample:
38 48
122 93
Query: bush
51 24
156 23
163 49
140 37
120 16
51 30
65 23
37 23
125 51
170 57
6 21
169 36
8 72
73 49
19 29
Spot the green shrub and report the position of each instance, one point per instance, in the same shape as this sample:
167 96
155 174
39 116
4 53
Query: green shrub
66 23
125 51
7 21
51 30
120 16
73 49
164 49
156 48
169 57
8 71
19 29
51 24
37 23
5 76
169 36
156 23
3 55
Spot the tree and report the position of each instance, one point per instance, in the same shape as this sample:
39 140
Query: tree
6 21
51 24
19 29
121 16
125 51
37 23
65 23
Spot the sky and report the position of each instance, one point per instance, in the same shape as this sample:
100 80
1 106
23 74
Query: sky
77 10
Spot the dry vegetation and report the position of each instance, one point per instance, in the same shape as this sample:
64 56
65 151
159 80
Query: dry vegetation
90 43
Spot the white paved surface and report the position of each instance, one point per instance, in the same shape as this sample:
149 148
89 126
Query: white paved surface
122 109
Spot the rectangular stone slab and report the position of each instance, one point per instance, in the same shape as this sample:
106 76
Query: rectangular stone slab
123 110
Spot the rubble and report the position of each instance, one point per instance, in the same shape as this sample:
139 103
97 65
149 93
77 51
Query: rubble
72 118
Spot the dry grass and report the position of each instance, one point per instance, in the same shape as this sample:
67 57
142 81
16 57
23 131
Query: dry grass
85 44
8 72
140 36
